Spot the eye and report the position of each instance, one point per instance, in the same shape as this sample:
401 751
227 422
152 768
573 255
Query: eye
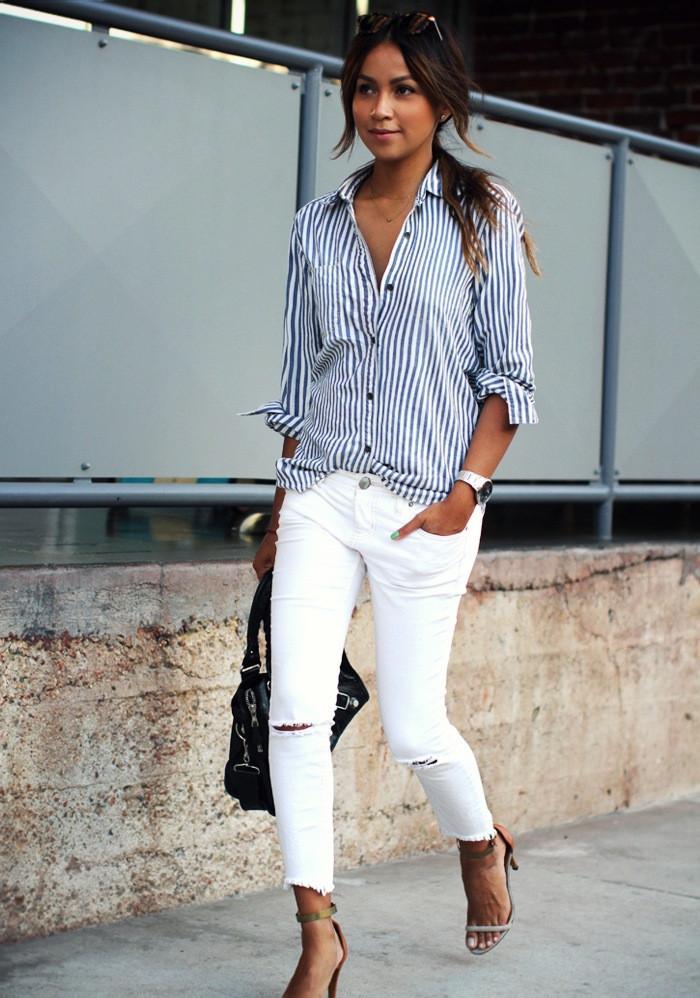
363 87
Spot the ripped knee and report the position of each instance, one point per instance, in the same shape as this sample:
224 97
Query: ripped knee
320 727
429 760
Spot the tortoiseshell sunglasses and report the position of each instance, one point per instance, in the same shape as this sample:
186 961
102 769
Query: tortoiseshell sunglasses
413 23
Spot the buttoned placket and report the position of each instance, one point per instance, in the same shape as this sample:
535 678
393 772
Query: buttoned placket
369 426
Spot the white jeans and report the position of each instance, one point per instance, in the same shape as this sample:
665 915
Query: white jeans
327 538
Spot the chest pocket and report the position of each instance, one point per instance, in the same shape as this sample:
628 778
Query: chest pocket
330 283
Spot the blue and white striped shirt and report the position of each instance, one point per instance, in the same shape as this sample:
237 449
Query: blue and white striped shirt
389 379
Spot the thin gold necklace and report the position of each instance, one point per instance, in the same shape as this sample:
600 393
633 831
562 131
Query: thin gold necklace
374 198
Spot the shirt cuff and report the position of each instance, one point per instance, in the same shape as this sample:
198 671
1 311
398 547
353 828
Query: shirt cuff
520 398
277 418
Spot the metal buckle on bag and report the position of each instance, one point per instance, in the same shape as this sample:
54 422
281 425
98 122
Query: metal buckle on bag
349 701
246 668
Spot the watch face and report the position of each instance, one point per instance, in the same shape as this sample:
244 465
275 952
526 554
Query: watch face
485 491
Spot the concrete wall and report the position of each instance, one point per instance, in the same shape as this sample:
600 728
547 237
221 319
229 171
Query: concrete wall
574 676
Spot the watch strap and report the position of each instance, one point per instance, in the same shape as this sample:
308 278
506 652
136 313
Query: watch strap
481 485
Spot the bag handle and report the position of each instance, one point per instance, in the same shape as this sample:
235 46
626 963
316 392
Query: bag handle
259 614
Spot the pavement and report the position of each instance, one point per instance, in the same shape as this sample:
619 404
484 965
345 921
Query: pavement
604 907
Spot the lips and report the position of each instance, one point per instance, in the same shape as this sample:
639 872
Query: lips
383 131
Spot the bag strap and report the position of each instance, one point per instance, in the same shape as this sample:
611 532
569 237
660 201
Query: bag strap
259 613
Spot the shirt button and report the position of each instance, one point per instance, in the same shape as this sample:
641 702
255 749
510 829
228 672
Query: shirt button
370 396
407 233
368 447
390 287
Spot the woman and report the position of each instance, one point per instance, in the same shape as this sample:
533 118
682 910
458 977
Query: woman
406 370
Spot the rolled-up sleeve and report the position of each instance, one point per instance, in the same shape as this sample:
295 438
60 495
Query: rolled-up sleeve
300 346
501 319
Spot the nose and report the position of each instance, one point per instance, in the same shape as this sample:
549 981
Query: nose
381 108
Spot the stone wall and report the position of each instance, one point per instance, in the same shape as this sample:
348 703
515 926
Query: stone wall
573 675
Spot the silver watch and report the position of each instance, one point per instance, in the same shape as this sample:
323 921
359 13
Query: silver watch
483 487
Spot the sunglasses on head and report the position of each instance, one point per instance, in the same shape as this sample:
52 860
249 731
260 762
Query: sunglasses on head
413 22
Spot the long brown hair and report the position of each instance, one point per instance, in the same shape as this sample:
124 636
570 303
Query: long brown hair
438 66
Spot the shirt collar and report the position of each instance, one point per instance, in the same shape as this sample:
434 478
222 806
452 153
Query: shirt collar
431 182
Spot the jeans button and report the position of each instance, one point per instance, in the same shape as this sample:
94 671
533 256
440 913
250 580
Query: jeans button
364 482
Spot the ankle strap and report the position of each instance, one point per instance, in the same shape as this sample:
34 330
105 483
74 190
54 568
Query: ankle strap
481 853
313 915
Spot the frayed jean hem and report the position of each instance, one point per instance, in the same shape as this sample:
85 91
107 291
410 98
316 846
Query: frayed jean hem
290 882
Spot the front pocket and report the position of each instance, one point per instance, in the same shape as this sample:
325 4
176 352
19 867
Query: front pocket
444 537
476 516
408 510
329 283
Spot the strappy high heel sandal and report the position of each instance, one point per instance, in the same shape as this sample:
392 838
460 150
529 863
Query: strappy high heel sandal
327 913
509 861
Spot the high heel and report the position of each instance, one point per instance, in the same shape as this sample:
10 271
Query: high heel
327 913
509 861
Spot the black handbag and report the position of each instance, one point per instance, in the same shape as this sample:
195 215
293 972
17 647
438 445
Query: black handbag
247 771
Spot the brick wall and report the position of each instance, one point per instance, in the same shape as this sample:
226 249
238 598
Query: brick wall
635 64
311 24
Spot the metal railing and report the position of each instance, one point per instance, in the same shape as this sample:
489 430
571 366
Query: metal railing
314 66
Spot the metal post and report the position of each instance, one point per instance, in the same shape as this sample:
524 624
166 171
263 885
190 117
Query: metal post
308 135
611 354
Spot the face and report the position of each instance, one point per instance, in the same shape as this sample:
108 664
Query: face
387 98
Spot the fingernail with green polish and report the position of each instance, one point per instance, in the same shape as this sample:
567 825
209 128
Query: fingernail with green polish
394 535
